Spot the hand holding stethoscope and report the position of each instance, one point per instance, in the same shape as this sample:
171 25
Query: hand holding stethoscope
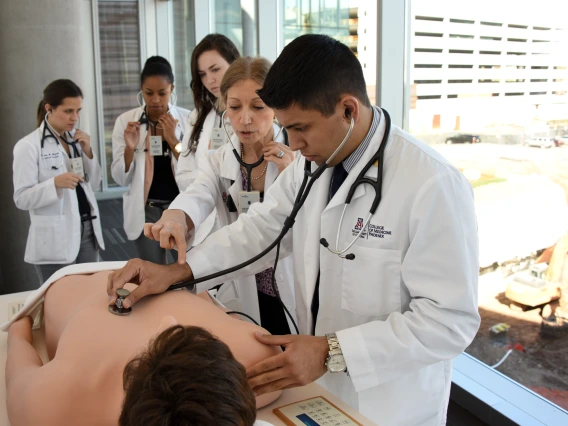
168 124
279 154
132 135
84 141
68 180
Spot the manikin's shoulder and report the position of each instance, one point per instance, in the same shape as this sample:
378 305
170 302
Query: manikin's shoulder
57 395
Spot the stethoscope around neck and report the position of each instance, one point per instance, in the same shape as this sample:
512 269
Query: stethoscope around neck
248 166
361 179
49 132
145 118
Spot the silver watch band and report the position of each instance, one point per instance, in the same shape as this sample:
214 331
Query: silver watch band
333 342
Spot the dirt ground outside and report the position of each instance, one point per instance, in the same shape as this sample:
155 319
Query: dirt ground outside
537 362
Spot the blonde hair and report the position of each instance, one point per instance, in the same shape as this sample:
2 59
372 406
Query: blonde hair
244 68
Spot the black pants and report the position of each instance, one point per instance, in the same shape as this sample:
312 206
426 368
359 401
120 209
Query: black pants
272 315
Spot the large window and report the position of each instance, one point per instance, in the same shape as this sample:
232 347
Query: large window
119 38
237 19
489 91
353 22
183 19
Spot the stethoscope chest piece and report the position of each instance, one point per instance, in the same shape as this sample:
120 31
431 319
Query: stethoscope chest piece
118 308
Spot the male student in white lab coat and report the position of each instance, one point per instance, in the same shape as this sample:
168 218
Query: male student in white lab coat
405 305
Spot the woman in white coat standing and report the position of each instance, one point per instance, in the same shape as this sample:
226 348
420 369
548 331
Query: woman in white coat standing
55 174
222 182
209 61
146 143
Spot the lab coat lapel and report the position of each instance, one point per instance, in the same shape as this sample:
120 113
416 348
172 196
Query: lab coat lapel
230 169
313 208
272 169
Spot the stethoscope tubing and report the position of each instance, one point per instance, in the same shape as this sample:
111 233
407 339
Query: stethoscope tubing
248 166
305 188
360 180
303 193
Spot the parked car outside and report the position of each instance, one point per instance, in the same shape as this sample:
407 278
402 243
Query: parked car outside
463 138
540 142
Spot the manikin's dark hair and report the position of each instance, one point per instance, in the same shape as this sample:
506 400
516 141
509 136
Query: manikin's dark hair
55 93
313 72
186 377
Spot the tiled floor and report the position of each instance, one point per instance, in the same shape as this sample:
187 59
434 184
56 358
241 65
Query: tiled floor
119 248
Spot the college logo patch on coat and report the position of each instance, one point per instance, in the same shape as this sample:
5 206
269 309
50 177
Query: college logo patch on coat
376 231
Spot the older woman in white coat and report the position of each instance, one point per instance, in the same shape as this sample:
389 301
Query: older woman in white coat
55 174
146 143
223 183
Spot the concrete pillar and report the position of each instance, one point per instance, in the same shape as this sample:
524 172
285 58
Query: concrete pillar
40 41
249 27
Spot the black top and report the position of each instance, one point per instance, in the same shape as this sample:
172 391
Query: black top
164 186
84 206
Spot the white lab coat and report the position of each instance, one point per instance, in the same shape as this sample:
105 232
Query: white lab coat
218 178
406 305
133 199
55 228
188 163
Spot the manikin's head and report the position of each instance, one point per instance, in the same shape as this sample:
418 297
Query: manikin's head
316 86
187 377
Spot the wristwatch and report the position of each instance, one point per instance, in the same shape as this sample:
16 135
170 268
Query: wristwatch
335 362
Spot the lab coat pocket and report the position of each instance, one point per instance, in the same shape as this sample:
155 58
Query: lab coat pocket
50 239
371 282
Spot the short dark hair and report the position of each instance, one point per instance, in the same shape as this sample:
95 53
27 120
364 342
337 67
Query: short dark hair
186 377
157 65
313 72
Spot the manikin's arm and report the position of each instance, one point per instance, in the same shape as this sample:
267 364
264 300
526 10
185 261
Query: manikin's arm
22 356
22 365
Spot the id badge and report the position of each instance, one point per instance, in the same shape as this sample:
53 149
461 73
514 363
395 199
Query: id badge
77 166
218 138
156 146
246 199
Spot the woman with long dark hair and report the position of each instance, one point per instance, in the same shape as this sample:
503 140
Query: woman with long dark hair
209 61
146 143
55 174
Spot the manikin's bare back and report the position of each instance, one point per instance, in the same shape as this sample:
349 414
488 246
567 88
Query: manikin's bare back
89 348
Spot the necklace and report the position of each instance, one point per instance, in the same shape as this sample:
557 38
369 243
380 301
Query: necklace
265 166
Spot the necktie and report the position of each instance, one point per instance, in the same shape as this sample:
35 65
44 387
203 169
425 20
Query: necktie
337 179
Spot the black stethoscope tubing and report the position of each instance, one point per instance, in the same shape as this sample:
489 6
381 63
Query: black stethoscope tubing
76 153
248 166
303 193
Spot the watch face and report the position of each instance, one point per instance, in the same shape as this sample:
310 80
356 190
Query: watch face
336 364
